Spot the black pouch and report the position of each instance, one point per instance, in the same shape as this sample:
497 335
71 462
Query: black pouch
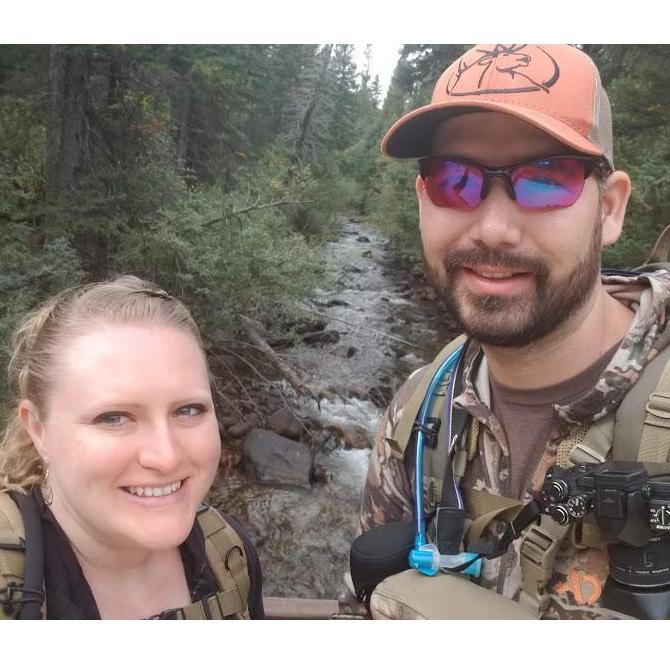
379 553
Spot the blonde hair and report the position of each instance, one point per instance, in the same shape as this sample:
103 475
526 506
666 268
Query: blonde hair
42 336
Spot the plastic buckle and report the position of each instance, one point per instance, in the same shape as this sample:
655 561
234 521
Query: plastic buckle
430 430
16 594
11 597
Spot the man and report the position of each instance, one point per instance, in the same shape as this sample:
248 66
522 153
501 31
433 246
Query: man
517 195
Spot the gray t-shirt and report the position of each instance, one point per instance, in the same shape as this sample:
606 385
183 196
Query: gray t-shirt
527 417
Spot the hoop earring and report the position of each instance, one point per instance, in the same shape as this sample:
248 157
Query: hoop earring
47 492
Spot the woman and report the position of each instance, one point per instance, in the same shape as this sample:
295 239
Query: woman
115 441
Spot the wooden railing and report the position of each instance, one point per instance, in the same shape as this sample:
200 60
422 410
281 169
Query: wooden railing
310 608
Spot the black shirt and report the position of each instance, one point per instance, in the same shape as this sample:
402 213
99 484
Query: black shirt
68 595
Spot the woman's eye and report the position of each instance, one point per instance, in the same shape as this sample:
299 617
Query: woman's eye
190 410
111 419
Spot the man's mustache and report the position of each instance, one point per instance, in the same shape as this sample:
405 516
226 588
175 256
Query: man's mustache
455 258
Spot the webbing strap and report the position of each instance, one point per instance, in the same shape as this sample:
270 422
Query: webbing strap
219 606
486 507
655 443
660 252
539 547
227 559
403 431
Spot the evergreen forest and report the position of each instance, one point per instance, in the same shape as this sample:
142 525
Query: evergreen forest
220 172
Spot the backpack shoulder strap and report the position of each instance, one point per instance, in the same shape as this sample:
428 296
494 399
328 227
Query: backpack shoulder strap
403 431
639 430
228 560
12 556
655 440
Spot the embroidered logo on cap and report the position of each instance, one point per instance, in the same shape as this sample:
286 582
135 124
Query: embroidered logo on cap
515 68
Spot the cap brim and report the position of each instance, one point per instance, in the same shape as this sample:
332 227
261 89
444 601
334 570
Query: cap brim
411 136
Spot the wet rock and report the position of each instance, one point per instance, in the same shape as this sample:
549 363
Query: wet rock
353 268
284 423
227 420
241 428
272 459
281 342
351 352
363 238
329 440
321 337
355 437
412 361
337 303
366 254
320 474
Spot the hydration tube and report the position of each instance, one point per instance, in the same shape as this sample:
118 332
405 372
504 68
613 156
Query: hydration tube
425 557
448 365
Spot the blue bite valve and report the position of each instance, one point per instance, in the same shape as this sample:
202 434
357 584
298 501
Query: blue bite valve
428 560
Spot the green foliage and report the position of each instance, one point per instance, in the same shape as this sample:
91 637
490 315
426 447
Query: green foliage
638 83
176 163
224 265
394 208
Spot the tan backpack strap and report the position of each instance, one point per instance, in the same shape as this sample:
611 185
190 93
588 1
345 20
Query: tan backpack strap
12 554
659 254
655 442
539 546
641 410
403 431
227 559
485 507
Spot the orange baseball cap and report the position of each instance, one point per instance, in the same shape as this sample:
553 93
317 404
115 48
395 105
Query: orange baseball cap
554 87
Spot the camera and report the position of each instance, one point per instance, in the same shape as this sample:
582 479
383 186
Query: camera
631 506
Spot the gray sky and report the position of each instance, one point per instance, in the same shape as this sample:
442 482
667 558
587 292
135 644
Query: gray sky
384 59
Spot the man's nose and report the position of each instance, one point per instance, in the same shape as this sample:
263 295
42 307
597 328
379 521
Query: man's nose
496 221
160 449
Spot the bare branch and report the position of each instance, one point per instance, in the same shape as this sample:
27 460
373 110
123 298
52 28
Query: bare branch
265 205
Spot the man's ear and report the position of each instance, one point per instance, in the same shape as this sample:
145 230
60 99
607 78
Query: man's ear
30 419
614 200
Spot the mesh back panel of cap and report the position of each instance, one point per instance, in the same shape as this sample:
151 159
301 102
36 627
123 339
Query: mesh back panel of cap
601 130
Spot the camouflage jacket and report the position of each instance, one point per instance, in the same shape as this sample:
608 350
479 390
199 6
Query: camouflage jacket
579 571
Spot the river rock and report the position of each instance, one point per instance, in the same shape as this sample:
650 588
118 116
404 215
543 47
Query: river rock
363 238
241 428
321 337
336 302
367 254
273 459
355 437
284 423
227 420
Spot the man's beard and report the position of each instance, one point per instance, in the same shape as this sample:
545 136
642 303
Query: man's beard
516 321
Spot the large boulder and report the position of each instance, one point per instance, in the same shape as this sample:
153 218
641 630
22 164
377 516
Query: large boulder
272 459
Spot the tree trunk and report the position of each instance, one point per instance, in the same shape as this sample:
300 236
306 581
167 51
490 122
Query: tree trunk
305 122
183 120
66 120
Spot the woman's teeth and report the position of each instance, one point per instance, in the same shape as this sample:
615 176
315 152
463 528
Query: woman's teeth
148 491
